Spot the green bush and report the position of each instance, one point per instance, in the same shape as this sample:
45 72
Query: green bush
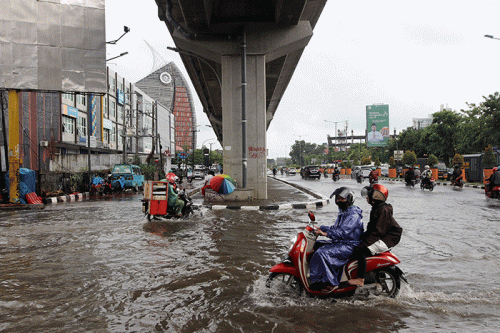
409 158
458 160
392 162
432 160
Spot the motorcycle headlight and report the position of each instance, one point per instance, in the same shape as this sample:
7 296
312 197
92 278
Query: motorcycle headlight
292 243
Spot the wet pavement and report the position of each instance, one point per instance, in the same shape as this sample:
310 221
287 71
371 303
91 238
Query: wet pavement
100 266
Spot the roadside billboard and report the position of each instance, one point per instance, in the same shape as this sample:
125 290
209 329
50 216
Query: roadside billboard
53 45
377 125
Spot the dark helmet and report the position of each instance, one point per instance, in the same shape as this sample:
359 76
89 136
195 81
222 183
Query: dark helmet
345 193
375 192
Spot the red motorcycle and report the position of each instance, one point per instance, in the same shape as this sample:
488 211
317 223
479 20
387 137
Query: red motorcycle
494 193
382 276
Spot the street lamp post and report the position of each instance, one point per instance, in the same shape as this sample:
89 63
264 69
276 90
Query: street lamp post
490 36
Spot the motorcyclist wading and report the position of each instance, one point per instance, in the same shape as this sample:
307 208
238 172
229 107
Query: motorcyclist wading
336 174
456 177
330 256
410 177
492 182
373 176
297 271
426 175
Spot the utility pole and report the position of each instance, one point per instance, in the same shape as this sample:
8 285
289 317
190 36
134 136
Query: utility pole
89 110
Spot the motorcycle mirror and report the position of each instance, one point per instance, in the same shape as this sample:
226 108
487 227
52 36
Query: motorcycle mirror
364 191
311 216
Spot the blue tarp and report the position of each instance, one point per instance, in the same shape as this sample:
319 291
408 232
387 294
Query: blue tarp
27 183
97 181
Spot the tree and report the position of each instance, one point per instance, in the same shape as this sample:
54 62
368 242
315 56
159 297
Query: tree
392 162
377 162
489 159
366 161
432 160
441 137
458 160
409 158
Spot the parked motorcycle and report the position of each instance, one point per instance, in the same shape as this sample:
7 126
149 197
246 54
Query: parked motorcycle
382 276
428 184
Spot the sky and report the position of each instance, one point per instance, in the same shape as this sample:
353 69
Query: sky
413 56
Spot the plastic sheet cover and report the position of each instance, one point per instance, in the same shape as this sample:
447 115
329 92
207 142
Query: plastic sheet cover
53 45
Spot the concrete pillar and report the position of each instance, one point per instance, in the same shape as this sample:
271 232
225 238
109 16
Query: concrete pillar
256 149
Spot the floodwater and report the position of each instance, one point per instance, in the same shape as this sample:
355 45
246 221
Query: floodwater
99 266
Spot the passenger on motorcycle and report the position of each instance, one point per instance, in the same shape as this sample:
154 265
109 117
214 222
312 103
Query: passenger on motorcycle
327 262
417 173
382 232
426 175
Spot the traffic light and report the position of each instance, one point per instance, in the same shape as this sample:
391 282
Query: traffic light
206 155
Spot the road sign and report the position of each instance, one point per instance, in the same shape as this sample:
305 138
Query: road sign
398 155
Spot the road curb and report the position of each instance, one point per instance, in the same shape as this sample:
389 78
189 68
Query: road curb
67 198
437 183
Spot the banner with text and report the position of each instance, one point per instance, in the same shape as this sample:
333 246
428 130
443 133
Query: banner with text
377 125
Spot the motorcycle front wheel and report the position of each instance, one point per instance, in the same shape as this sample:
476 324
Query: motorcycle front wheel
284 282
390 281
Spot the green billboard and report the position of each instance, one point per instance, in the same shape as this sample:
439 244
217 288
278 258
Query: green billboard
377 125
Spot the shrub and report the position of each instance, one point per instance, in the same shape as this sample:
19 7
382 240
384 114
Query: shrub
458 160
392 162
432 160
409 158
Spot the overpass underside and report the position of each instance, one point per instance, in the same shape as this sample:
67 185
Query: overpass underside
240 56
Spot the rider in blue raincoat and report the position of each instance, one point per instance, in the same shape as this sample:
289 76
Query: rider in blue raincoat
327 262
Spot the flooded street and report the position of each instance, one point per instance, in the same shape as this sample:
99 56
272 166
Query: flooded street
99 266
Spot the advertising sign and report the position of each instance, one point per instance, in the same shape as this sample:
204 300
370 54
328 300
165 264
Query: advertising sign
53 45
377 125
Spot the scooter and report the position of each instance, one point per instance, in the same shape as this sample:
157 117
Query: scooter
410 182
155 202
373 180
382 276
429 185
335 177
359 179
458 182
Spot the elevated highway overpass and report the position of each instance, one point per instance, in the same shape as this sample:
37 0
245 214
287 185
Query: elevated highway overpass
240 56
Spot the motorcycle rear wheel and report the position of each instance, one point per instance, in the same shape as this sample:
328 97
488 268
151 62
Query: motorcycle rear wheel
390 281
286 282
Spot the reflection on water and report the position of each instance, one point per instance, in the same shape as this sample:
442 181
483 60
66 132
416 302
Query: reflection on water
102 267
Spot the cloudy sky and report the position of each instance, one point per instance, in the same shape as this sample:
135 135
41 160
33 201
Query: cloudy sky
414 56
